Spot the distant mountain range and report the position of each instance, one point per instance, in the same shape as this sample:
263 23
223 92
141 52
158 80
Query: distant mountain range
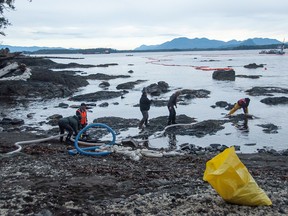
28 49
184 43
181 43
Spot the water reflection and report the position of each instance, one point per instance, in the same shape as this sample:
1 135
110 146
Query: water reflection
172 141
242 125
145 141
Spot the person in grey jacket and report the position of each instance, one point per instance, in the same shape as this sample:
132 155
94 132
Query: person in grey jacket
171 103
70 124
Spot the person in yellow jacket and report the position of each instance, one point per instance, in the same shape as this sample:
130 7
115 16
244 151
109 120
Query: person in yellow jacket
242 103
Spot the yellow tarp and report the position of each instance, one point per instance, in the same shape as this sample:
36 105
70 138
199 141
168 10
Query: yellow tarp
232 180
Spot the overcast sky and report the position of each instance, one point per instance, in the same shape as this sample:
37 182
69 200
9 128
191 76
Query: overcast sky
127 24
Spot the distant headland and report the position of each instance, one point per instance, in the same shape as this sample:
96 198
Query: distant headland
177 44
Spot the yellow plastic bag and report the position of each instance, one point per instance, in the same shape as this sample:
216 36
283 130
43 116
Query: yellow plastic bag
232 181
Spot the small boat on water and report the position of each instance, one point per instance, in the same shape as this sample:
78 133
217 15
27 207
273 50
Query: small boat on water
279 51
272 51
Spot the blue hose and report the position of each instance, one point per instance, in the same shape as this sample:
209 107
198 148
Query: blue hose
85 151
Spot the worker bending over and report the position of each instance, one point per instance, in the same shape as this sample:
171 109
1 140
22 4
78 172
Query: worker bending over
242 103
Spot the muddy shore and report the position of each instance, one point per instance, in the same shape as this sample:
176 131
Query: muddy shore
45 180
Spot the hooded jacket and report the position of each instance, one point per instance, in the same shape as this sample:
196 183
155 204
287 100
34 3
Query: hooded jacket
73 121
144 102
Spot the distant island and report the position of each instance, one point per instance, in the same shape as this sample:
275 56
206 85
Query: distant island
184 43
177 44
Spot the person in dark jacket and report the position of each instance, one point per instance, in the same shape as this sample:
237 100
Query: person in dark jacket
70 124
144 108
242 103
171 103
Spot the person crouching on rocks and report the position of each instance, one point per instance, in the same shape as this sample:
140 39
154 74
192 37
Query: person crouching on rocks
171 103
242 103
70 124
144 108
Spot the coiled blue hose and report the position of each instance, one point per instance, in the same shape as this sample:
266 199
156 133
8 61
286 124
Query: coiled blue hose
86 151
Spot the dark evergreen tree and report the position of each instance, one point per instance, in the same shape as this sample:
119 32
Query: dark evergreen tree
5 5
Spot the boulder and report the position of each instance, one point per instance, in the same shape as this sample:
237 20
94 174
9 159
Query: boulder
224 75
156 89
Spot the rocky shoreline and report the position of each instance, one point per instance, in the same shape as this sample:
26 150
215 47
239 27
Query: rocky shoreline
43 179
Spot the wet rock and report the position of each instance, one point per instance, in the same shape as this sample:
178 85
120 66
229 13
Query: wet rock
30 115
37 62
101 76
153 89
187 147
104 84
215 145
157 89
97 96
221 104
266 91
107 65
249 76
216 148
14 121
161 121
253 66
54 119
269 128
191 93
52 84
202 128
224 75
34 62
105 104
117 123
129 85
250 144
63 105
273 152
275 100
237 147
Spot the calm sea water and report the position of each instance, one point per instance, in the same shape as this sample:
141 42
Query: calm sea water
178 70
